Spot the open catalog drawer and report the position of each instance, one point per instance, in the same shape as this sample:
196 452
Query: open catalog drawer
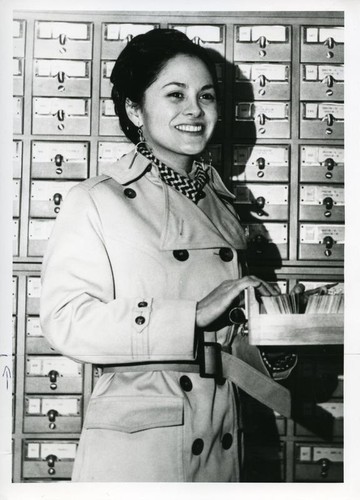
291 329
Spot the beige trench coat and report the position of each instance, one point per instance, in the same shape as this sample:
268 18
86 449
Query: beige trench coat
116 255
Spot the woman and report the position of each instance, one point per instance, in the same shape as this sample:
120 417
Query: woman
141 271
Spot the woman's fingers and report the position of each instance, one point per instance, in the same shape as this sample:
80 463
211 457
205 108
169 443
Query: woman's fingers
211 307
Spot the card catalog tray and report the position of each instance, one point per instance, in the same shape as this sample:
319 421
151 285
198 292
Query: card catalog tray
292 329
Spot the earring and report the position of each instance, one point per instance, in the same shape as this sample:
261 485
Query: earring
141 135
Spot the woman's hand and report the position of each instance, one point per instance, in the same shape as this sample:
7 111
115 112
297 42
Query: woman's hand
217 302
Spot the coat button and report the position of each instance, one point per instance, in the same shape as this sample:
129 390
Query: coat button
227 441
185 383
201 195
197 447
140 320
181 255
129 193
226 254
142 304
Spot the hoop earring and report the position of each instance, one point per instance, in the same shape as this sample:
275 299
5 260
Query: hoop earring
141 136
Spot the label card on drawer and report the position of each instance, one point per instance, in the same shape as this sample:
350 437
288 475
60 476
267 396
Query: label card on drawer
112 151
33 450
70 151
72 69
33 406
273 194
271 110
41 366
122 31
60 450
50 106
320 35
64 406
272 72
315 155
205 33
75 31
34 287
33 328
107 107
337 72
305 454
332 454
274 233
253 33
336 33
17 67
40 229
316 234
45 190
276 156
337 110
314 195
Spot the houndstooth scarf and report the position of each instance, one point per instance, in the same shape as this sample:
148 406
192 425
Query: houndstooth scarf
189 187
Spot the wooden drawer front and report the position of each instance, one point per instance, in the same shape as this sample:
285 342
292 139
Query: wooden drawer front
63 40
321 202
115 37
61 116
318 463
44 459
322 44
262 81
65 78
322 82
323 242
262 201
262 43
322 164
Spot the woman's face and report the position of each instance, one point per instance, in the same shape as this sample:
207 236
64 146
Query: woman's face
179 111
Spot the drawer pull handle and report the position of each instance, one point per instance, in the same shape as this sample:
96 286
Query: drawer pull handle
62 38
329 42
325 466
53 375
260 163
52 414
328 202
57 198
329 163
328 242
59 160
61 115
61 76
262 42
51 459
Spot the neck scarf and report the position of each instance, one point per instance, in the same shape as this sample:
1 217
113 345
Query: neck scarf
191 188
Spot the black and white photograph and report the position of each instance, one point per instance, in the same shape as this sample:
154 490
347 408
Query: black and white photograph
174 253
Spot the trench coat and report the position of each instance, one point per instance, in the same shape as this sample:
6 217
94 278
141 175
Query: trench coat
126 264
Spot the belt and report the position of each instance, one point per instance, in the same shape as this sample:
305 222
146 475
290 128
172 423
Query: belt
216 363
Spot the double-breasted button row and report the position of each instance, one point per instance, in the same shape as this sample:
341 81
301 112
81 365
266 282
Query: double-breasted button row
226 254
198 444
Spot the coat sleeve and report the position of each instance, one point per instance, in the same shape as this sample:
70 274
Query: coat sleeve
80 315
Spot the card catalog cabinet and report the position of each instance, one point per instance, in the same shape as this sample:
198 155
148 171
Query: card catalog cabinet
278 145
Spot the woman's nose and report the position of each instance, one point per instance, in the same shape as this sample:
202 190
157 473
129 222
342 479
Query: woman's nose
192 107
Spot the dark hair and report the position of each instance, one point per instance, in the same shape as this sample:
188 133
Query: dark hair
141 61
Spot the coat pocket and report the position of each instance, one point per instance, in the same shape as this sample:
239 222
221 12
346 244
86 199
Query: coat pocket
133 413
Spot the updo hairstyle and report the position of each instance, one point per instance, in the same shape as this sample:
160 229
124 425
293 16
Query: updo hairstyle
140 63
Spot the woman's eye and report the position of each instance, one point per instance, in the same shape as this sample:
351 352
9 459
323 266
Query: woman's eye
176 95
208 97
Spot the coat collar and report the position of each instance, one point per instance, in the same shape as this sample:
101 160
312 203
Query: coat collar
186 226
133 165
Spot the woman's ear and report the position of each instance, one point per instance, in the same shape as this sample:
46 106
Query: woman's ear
133 111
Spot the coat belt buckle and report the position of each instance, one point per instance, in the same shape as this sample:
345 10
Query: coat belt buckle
210 364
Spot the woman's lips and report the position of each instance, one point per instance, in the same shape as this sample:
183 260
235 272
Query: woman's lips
189 128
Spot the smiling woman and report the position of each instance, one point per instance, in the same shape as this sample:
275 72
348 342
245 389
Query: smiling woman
142 269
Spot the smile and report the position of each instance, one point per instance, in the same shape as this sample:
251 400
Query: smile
189 128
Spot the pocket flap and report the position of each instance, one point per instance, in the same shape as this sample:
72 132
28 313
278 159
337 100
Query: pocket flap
134 413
